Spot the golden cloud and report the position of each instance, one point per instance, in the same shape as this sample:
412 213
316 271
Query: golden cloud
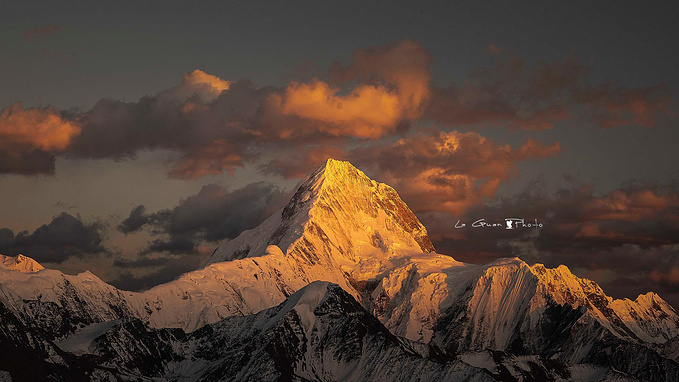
34 128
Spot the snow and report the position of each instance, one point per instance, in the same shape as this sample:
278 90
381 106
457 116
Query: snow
79 343
303 302
20 263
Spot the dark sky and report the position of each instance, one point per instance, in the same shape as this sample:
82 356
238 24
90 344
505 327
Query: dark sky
123 160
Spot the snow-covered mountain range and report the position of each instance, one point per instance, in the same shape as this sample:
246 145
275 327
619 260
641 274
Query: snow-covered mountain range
343 283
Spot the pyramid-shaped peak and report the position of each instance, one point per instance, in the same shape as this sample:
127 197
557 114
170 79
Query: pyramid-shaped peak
310 296
308 300
345 190
334 178
337 212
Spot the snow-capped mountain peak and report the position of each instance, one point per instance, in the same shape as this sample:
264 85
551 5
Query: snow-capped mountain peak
20 263
337 214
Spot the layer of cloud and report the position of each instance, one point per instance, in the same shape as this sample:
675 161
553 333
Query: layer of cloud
182 237
213 214
160 270
219 125
513 94
382 93
135 221
372 111
610 105
439 171
630 233
30 129
64 237
638 213
36 162
29 139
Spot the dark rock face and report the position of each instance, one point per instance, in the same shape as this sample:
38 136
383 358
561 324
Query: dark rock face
319 334
72 309
27 354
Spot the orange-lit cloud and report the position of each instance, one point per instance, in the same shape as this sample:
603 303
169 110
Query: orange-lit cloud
403 66
459 153
300 163
211 159
199 78
438 171
610 106
207 85
670 277
393 87
218 125
34 128
630 205
368 112
196 85
627 215
433 171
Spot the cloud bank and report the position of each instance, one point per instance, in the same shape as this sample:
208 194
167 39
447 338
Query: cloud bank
382 94
64 237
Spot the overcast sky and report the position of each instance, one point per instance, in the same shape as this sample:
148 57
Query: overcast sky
135 136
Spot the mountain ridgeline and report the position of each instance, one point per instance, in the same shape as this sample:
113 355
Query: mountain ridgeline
342 284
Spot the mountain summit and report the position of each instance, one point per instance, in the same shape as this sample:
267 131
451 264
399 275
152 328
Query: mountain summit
20 263
336 213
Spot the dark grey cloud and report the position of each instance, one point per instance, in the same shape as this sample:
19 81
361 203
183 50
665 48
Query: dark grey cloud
183 236
629 233
215 134
140 262
6 237
36 162
176 119
215 213
574 217
167 269
176 244
64 237
135 221
516 95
